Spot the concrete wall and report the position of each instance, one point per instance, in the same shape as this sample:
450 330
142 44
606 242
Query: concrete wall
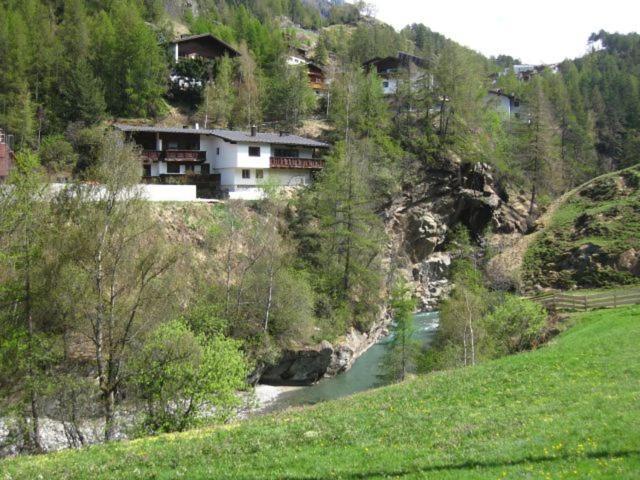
153 193
169 193
501 103
247 194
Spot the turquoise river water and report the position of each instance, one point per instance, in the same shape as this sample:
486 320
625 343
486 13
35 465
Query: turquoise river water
363 375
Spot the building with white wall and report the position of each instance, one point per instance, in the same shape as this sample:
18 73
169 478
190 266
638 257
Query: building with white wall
506 104
235 161
397 69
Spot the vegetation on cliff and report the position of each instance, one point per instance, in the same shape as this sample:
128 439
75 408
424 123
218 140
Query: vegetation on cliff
592 239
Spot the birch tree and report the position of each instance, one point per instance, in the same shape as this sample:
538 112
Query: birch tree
120 263
25 349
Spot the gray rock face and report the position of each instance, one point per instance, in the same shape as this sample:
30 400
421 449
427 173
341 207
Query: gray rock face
630 261
425 231
419 221
300 367
307 366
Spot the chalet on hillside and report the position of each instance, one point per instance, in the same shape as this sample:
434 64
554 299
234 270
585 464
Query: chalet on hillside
316 74
395 69
317 78
6 155
239 162
201 46
506 104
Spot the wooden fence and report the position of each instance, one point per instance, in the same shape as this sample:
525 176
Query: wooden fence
575 301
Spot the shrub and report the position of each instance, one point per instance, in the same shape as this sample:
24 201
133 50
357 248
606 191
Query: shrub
57 154
516 324
177 373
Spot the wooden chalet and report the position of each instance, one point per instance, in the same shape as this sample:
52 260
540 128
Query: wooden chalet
201 46
6 155
317 78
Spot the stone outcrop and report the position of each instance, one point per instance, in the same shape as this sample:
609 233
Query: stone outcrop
419 221
309 365
418 224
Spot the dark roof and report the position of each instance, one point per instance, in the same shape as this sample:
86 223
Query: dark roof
500 93
402 58
210 38
231 135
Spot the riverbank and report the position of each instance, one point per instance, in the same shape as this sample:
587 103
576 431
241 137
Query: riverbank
567 410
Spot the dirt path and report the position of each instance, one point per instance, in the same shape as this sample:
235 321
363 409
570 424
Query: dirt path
505 268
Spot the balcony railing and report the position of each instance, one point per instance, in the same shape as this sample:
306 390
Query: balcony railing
186 156
294 162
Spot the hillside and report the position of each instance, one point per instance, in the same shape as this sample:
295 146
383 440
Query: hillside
568 410
592 238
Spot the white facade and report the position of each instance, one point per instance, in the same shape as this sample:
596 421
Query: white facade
506 105
295 60
231 161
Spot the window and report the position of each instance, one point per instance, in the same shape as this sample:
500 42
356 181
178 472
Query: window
385 84
204 169
188 168
146 170
173 168
246 173
259 174
217 150
286 152
254 151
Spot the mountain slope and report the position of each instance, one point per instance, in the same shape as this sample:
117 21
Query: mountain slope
568 410
592 238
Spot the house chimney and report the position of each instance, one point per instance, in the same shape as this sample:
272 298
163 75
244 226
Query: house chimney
283 133
254 130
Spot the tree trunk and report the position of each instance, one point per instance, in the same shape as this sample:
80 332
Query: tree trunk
269 299
109 403
33 395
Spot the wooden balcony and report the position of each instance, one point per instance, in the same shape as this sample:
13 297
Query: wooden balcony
294 162
318 85
181 156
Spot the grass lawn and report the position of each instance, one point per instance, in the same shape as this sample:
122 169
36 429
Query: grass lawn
568 410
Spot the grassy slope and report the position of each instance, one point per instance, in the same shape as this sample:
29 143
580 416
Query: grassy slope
568 410
612 206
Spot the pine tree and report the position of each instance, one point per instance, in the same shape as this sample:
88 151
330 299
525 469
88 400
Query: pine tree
400 357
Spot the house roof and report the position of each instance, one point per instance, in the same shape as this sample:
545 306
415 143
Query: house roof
402 58
500 93
231 135
209 38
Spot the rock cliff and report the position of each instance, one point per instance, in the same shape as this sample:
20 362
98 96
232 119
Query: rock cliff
418 223
420 219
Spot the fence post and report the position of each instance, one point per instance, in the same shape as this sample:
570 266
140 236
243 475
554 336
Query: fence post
585 302
615 300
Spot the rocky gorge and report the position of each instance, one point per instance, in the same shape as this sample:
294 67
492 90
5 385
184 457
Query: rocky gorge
418 224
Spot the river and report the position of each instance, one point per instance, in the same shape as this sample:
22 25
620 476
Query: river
365 373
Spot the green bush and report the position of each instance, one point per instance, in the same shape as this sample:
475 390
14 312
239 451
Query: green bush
57 154
177 373
516 324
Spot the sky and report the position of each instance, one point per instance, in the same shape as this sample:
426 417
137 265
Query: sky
536 31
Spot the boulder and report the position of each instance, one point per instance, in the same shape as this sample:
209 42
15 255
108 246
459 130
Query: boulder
629 261
300 367
425 231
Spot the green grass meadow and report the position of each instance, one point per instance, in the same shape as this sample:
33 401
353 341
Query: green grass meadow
570 409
